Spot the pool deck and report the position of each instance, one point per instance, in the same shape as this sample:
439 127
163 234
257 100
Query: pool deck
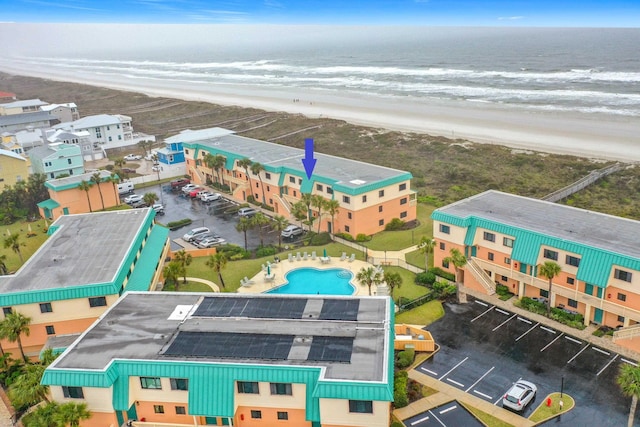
261 284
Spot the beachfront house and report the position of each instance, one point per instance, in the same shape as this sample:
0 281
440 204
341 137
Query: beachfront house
88 261
172 153
22 106
25 121
90 150
368 196
107 130
14 168
191 359
62 112
57 159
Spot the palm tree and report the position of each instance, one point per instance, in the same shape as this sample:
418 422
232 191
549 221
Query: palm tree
3 265
172 272
13 242
97 179
119 162
43 416
215 162
393 280
244 224
426 247
629 381
245 164
71 414
26 389
458 260
549 270
86 186
299 211
150 198
279 224
369 276
332 207
318 202
208 160
13 326
115 180
259 220
217 263
145 145
256 168
184 258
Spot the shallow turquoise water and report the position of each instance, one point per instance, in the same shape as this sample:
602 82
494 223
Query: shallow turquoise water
311 281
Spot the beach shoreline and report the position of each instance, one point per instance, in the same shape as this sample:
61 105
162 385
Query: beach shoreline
597 137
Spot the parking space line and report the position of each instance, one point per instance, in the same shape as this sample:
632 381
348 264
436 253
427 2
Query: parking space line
506 321
601 351
483 313
435 374
573 340
482 303
486 396
544 328
607 365
437 419
497 401
506 313
628 361
578 354
451 408
480 379
455 382
528 330
554 340
452 369
522 319
419 421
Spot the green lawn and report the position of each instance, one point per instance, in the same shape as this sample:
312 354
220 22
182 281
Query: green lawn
544 412
422 315
395 240
28 245
189 287
408 289
416 258
488 419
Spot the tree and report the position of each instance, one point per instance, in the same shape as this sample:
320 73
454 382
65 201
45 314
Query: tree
245 163
184 258
71 414
299 211
208 160
549 270
86 186
115 180
306 199
426 247
332 207
629 381
244 224
13 326
279 224
13 242
145 145
215 162
217 263
318 202
458 260
256 168
97 179
43 416
150 198
26 390
369 276
3 265
259 220
119 162
393 280
172 273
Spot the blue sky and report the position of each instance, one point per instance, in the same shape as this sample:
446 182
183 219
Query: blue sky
563 13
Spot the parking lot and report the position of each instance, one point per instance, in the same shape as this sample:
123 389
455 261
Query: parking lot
451 414
485 349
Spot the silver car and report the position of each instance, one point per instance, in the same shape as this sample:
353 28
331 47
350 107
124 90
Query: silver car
519 395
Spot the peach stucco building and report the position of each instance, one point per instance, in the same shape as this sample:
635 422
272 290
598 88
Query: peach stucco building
185 359
88 261
369 196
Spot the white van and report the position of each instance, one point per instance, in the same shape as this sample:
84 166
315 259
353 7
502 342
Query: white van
195 233
125 187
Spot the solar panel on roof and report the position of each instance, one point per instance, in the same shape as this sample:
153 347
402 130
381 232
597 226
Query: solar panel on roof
331 349
230 345
340 309
261 308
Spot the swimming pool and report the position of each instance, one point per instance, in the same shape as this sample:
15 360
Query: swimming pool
311 281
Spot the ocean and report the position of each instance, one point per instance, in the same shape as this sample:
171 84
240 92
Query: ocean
578 70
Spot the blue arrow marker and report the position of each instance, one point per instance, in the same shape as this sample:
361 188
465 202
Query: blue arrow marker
308 161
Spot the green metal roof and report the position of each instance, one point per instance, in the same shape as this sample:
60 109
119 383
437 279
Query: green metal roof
48 204
147 263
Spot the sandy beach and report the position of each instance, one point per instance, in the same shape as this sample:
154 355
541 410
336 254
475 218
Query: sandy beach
591 136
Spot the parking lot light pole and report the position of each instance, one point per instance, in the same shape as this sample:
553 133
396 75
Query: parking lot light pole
561 386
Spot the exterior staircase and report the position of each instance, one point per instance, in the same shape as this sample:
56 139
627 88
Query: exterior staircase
627 333
481 276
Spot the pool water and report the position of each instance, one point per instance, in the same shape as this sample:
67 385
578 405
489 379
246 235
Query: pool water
311 281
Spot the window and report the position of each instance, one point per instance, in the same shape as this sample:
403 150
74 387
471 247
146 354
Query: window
50 330
256 414
69 161
181 410
346 199
572 303
490 256
299 181
403 201
549 254
119 137
442 246
329 190
544 293
45 307
504 278
364 199
445 229
402 187
622 297
97 302
571 280
621 319
346 228
267 175
381 222
381 193
403 214
445 264
349 216
507 242
379 208
158 409
179 383
7 310
152 383
507 261
110 139
319 187
281 388
248 387
361 406
622 275
292 180
72 392
283 415
489 237
571 260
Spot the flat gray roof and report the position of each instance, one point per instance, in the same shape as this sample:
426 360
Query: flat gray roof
22 118
76 179
347 172
143 326
85 249
607 232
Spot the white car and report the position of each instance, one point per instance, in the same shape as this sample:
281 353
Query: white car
158 208
131 157
210 242
187 188
209 197
519 395
156 168
292 230
133 198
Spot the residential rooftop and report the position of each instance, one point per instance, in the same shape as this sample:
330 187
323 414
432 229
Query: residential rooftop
74 180
94 121
12 155
598 230
23 118
348 337
24 103
84 249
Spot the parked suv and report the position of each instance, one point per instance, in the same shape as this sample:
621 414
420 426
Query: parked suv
519 395
247 212
292 230
195 232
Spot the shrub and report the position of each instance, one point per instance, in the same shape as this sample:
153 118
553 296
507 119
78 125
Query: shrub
345 236
362 238
394 225
442 290
440 272
400 399
405 358
174 225
320 239
234 252
426 278
397 424
265 251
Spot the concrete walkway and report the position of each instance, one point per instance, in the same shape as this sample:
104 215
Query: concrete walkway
213 286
